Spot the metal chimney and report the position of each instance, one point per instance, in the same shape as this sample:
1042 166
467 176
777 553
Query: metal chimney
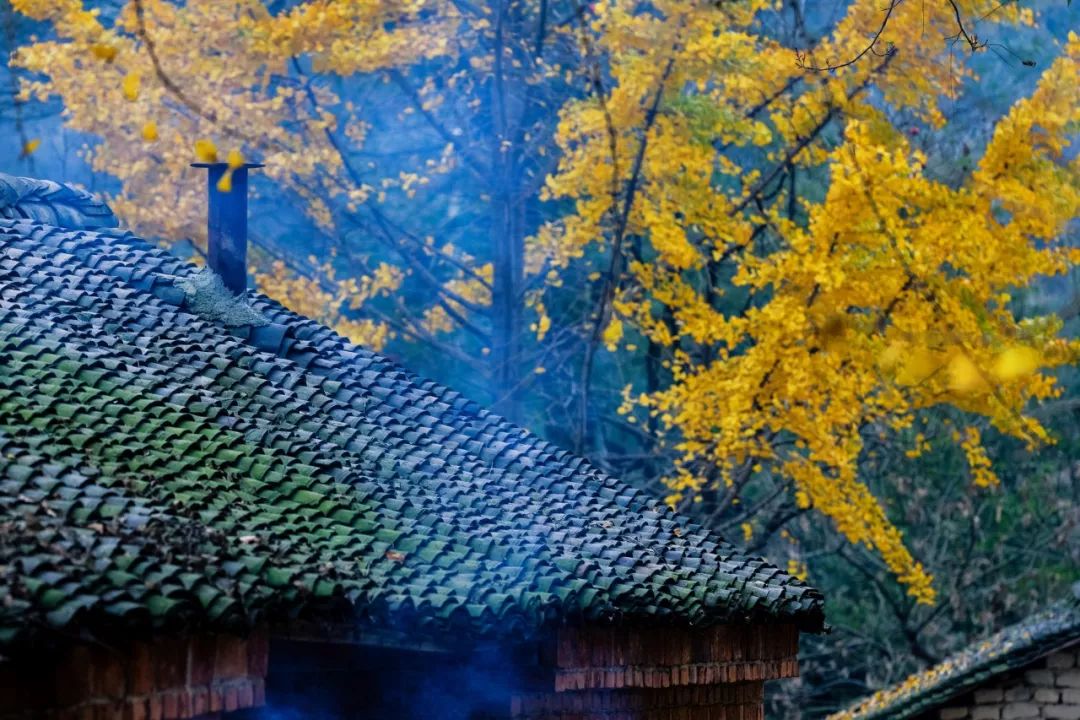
226 223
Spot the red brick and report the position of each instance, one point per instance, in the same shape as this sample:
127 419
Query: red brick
170 704
246 696
170 659
230 658
110 676
109 710
232 698
73 677
202 651
200 701
216 703
185 700
259 692
136 709
141 668
258 647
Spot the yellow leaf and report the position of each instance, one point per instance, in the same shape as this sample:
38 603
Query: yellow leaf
236 159
964 375
919 365
225 183
1016 362
149 131
30 146
103 52
613 333
130 86
205 150
892 355
543 325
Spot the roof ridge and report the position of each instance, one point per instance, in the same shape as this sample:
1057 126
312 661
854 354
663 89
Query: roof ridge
58 204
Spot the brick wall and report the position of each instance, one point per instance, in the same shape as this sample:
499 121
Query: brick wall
167 678
736 701
1047 690
658 657
662 673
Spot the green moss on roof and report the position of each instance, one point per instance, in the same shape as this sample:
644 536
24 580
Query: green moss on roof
1013 648
160 468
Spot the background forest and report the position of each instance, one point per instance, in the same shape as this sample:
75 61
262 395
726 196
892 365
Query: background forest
804 268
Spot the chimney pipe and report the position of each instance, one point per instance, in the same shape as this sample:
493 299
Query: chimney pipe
226 223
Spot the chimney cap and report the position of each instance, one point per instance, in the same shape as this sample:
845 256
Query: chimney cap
225 164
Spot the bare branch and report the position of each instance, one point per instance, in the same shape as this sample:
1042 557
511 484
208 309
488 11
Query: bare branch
800 56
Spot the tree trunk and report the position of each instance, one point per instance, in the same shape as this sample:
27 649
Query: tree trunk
508 246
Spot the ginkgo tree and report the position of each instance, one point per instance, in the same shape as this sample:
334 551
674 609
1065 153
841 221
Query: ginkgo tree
852 312
667 184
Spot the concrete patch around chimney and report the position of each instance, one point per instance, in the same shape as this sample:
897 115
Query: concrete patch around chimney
206 295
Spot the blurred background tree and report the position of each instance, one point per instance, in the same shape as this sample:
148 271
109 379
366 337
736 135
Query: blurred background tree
805 269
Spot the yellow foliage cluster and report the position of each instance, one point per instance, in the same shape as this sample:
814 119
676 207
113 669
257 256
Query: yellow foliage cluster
350 36
886 296
171 82
890 298
463 292
321 296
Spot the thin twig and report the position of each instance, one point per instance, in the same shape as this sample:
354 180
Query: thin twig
800 57
169 84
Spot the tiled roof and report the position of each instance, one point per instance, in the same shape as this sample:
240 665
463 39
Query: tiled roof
1014 647
53 203
159 467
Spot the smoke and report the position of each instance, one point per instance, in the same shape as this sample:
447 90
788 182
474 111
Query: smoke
334 681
